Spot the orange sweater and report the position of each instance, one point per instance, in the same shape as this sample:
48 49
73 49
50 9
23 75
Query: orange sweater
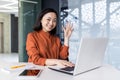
41 46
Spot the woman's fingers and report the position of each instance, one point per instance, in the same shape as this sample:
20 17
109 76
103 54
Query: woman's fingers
68 29
65 63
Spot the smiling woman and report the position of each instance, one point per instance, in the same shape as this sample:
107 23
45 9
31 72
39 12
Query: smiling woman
43 46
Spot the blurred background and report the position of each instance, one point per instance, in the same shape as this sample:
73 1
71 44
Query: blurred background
9 29
91 18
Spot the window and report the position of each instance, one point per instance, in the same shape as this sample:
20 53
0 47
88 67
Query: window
93 18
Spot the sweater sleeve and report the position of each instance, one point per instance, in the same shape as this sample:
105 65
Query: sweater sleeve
63 50
32 51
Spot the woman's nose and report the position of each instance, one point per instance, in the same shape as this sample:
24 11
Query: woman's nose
51 22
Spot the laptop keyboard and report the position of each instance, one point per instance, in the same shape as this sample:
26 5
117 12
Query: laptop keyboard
68 68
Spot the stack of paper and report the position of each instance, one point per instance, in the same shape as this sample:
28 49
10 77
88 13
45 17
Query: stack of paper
16 68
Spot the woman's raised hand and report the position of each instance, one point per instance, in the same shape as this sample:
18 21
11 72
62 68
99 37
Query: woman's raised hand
68 28
67 32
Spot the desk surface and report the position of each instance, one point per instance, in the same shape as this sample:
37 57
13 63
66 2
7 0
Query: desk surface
106 72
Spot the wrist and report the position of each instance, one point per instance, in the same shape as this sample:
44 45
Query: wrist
50 62
66 42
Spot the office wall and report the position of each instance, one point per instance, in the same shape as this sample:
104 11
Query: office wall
5 19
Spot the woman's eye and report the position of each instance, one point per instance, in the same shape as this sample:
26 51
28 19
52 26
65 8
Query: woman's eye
48 19
54 20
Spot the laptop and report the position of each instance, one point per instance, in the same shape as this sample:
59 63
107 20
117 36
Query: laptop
90 56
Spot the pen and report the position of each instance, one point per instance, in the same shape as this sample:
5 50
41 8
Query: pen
17 66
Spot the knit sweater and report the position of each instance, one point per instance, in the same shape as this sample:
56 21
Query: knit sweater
41 45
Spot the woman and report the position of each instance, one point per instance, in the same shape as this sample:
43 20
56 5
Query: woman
43 47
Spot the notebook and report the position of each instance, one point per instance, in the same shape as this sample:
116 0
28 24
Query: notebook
90 56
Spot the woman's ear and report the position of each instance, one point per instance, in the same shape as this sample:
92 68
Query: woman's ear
40 22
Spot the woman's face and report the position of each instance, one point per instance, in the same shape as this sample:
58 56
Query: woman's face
49 21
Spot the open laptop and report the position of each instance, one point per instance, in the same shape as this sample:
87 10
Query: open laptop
90 56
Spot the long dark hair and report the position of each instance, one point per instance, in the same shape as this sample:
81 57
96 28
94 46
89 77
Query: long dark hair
38 26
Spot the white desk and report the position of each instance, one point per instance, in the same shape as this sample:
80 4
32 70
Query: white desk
106 72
